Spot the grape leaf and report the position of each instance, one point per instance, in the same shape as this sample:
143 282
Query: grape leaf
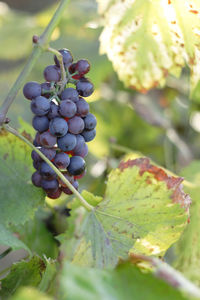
8 239
144 211
188 247
29 293
125 282
147 40
21 274
19 198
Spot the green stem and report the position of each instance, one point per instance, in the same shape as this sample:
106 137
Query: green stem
6 252
62 177
37 50
62 67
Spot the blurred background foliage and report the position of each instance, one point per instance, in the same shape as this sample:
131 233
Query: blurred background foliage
162 124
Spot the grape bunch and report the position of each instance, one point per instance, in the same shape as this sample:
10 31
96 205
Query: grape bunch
63 123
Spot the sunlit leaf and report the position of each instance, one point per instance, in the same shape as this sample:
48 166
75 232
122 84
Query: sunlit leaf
144 211
147 40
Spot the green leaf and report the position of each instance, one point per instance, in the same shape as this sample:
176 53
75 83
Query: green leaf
90 198
125 282
21 274
147 40
188 248
19 198
8 239
30 293
144 211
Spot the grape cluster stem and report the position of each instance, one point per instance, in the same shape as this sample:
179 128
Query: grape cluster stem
40 46
62 177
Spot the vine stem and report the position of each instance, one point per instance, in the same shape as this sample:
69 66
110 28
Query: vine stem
39 47
167 273
62 177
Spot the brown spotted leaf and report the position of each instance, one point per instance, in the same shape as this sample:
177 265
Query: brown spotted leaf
147 40
144 211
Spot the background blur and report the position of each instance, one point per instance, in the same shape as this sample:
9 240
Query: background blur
163 124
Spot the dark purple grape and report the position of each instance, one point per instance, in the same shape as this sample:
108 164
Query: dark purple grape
36 141
84 87
49 153
49 185
53 111
35 156
79 142
67 142
40 124
82 67
67 58
90 122
31 90
54 194
52 73
70 94
82 108
72 68
89 135
62 160
36 179
40 106
76 166
82 151
58 127
67 108
68 177
47 139
67 191
46 86
46 171
76 125
37 164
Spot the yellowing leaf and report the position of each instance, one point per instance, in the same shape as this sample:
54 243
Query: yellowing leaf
144 211
148 39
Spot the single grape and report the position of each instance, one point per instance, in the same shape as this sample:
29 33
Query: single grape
72 68
76 125
89 135
70 94
54 194
80 176
36 179
35 156
47 139
61 160
31 90
67 142
84 87
37 164
82 67
90 122
82 151
76 166
58 127
69 177
48 152
67 58
36 141
82 108
46 86
79 142
52 73
46 171
67 108
49 185
40 124
40 106
53 111
67 191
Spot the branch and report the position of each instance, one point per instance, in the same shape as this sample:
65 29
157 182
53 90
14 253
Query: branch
165 272
62 177
39 47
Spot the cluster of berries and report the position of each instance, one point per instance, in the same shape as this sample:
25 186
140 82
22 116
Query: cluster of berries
63 124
